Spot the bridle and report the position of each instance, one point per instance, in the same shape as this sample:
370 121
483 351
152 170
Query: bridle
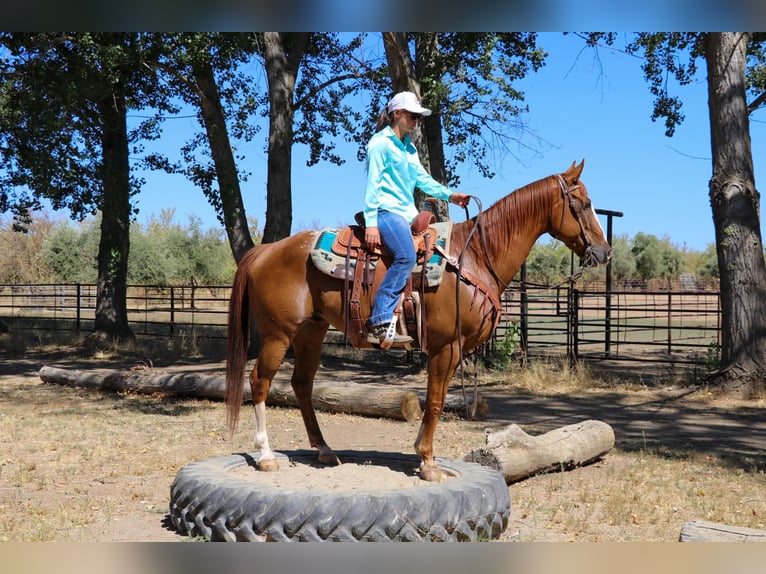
588 259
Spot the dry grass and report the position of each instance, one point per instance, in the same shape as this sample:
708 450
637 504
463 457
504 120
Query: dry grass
81 466
635 497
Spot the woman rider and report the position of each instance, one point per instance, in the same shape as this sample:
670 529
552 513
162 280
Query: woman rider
393 172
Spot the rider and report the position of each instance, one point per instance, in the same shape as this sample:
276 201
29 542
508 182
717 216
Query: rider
393 172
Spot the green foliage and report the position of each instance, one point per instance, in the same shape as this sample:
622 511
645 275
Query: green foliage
229 55
706 264
668 54
179 254
548 263
163 252
472 79
51 126
623 261
71 252
713 357
655 257
503 353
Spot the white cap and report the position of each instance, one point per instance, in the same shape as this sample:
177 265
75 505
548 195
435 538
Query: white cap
407 101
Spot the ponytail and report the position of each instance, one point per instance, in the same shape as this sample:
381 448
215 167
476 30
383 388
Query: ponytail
384 119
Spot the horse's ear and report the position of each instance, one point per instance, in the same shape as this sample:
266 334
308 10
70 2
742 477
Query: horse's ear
574 171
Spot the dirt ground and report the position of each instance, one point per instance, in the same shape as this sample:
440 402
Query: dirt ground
117 489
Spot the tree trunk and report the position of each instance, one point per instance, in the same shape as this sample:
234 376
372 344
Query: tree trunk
735 204
519 455
427 63
703 531
231 207
283 55
403 78
111 318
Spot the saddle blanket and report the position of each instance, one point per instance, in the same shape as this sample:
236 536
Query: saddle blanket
330 263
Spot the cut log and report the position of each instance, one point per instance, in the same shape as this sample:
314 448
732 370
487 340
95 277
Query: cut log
456 404
703 531
346 397
519 455
338 397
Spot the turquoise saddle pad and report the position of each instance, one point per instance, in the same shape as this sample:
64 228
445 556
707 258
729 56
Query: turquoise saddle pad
333 264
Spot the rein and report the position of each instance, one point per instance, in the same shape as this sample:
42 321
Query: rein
471 410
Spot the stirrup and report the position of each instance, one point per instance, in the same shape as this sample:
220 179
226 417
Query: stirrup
386 335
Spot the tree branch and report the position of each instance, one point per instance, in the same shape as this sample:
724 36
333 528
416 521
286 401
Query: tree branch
323 85
173 72
756 103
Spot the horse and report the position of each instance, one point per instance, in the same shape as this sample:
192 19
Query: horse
292 303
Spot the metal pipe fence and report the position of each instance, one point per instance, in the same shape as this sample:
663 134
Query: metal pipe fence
680 326
677 326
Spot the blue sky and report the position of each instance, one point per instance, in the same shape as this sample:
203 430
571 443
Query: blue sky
580 108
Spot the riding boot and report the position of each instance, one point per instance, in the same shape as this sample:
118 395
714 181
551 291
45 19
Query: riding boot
385 335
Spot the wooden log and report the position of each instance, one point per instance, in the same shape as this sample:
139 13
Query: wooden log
519 455
341 397
703 531
456 404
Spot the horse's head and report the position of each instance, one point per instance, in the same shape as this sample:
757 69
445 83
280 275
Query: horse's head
575 222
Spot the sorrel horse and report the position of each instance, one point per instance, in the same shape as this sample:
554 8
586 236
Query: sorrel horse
292 303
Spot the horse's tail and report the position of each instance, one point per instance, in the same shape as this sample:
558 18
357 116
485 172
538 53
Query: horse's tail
238 338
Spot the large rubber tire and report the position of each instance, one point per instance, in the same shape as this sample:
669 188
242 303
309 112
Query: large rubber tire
206 500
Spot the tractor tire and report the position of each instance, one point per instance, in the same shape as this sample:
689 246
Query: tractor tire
208 501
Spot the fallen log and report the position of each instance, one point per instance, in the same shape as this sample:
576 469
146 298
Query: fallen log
703 531
519 455
338 397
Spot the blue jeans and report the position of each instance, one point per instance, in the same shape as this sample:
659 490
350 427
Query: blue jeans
395 234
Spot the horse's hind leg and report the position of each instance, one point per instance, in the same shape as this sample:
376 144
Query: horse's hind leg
272 352
308 351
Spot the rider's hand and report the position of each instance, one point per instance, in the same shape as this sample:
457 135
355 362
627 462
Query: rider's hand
460 199
372 237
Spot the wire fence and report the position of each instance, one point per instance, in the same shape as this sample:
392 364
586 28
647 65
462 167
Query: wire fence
662 325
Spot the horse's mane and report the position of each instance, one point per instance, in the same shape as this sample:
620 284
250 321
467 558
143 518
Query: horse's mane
509 216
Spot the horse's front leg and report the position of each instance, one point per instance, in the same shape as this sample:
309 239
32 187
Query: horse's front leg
441 367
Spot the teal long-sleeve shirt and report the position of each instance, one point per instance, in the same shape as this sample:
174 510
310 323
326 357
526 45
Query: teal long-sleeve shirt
393 172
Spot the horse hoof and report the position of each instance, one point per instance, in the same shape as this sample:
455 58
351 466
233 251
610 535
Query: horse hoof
329 459
431 474
268 465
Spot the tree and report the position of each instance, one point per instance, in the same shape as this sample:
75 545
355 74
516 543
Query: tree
282 55
21 252
307 108
706 262
548 263
623 262
64 136
733 197
71 253
308 75
655 257
204 68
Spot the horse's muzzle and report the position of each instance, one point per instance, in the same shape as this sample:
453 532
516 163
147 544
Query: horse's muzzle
595 256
